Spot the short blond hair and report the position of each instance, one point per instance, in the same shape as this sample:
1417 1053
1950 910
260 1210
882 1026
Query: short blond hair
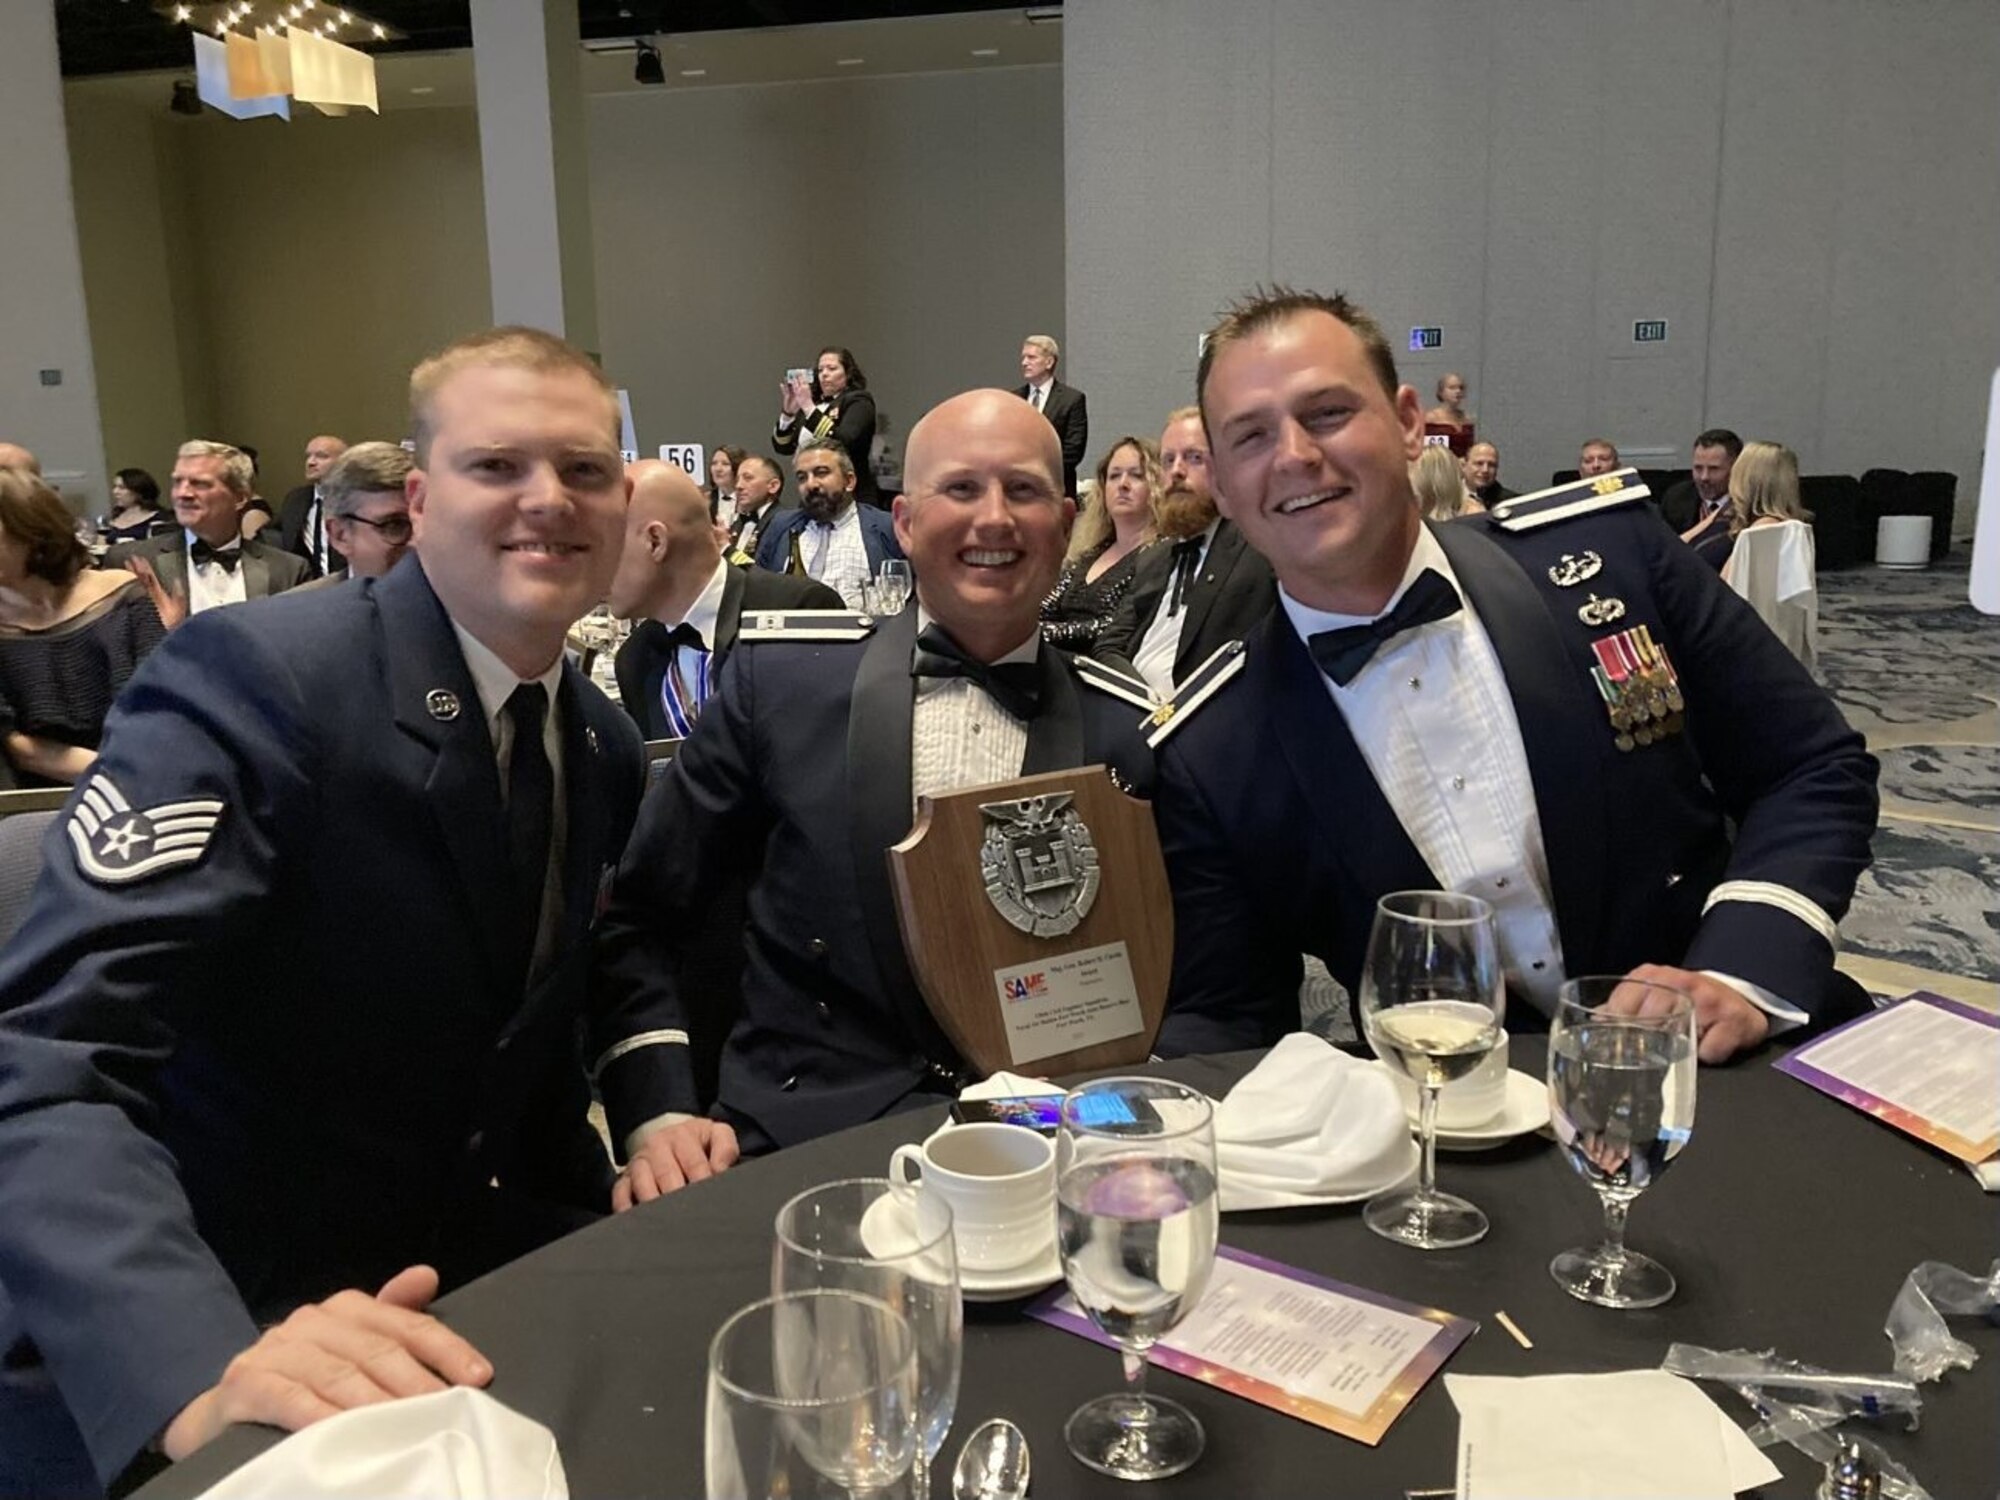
1181 414
1046 344
513 348
237 470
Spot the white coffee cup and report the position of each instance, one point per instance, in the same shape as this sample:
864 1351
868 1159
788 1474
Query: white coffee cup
1000 1181
1479 1098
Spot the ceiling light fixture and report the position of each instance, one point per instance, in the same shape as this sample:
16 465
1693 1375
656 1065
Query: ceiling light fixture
647 67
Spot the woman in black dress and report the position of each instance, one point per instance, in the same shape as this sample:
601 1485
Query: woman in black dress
136 512
1117 524
833 404
69 637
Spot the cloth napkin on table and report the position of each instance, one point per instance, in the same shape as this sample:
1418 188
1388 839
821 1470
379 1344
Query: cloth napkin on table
456 1444
1309 1124
1005 1085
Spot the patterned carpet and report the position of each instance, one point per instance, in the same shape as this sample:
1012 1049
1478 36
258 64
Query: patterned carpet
1917 670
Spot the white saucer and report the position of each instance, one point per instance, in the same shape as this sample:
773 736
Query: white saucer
886 1232
1526 1109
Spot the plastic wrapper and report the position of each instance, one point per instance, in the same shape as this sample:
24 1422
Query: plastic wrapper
1802 1405
1925 1348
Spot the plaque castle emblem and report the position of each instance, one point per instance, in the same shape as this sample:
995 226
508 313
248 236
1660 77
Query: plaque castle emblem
1039 864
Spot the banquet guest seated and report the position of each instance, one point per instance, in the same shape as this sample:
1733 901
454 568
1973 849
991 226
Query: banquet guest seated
832 405
302 513
722 466
1114 526
206 560
759 484
1482 476
1064 405
829 537
241 1146
136 512
1449 419
1595 457
367 506
686 599
1778 578
1421 713
1439 485
1190 598
70 636
1697 506
801 774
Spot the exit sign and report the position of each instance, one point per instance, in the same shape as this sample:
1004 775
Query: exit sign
1651 331
1426 338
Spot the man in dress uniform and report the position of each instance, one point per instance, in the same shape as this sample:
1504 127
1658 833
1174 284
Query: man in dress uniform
292 1015
804 769
1554 706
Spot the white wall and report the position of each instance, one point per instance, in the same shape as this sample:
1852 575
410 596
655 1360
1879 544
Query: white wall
917 220
1805 189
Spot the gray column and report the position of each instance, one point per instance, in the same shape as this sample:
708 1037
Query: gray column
48 386
532 149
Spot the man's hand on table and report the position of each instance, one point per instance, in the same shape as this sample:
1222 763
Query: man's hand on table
1725 1023
672 1157
350 1350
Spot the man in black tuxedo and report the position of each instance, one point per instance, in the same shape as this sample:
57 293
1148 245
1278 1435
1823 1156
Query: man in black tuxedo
209 561
1555 706
1188 600
801 774
302 513
759 483
686 600
1705 497
1062 404
1482 476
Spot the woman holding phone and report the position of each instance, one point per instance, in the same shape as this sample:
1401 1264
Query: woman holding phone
832 402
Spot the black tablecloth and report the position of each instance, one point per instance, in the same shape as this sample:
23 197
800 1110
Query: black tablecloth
1790 1221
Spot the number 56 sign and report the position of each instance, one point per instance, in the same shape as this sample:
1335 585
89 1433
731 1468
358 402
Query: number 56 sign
688 457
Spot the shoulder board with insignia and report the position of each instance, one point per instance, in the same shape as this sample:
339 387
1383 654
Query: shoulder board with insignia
1581 497
1107 679
1202 684
805 625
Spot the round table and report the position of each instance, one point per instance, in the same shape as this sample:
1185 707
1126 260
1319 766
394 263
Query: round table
1790 1222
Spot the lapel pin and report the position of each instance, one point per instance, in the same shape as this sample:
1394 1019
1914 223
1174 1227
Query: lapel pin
441 704
590 738
1569 570
1595 611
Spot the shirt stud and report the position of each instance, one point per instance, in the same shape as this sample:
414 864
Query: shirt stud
1415 683
1458 783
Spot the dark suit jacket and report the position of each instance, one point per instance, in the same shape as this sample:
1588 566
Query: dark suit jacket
1680 506
1279 841
266 569
798 776
293 513
1492 494
642 660
1233 591
850 423
298 1062
774 547
764 523
1066 413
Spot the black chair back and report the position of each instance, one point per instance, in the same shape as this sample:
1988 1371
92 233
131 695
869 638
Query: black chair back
21 834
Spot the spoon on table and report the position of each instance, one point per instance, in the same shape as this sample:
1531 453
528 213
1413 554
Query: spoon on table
993 1464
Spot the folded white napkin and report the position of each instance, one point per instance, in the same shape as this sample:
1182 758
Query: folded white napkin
1005 1085
455 1444
1309 1124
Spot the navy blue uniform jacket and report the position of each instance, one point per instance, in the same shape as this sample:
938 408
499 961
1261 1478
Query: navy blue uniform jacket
297 1063
797 776
1279 842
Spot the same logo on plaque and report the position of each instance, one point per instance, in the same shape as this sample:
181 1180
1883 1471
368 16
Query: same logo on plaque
1038 922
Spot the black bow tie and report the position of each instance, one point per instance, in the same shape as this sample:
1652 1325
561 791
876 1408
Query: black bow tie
685 634
1344 652
228 557
1015 685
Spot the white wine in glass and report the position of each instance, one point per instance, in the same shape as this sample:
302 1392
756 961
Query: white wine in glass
1432 1004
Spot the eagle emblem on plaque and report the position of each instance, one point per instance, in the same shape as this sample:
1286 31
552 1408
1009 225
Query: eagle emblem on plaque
1039 864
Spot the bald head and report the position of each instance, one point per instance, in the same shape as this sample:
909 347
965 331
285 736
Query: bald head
320 455
670 548
992 415
14 456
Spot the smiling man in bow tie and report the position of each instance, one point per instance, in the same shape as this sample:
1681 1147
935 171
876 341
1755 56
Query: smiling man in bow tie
803 769
1554 706
209 561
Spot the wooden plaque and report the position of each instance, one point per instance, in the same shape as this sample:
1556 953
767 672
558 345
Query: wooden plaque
1008 991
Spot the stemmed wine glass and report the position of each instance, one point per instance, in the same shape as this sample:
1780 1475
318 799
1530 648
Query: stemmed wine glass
1621 1096
894 1244
1136 1221
812 1396
1432 1001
